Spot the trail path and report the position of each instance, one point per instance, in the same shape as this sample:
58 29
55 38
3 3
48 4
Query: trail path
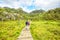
25 34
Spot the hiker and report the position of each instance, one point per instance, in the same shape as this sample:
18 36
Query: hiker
27 23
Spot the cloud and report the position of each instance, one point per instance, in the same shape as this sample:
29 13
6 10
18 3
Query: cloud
47 4
29 5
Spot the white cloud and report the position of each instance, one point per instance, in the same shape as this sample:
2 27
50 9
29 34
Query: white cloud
26 2
39 4
46 4
5 5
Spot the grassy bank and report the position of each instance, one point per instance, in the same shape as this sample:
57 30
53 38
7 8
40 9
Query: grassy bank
10 30
45 30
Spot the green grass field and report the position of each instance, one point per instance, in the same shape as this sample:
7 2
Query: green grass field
45 30
40 30
10 30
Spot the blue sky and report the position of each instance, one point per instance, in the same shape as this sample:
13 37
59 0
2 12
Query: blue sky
29 5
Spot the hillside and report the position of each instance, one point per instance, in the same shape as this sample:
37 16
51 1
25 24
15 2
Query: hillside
17 14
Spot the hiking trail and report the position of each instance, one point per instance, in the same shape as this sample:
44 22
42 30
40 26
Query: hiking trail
25 34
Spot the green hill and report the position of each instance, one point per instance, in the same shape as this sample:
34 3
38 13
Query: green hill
17 14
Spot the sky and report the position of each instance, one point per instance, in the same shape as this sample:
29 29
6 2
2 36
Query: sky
30 5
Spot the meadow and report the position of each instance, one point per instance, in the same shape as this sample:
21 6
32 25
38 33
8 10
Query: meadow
40 30
45 30
10 30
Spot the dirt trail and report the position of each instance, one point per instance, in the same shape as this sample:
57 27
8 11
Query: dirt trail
25 34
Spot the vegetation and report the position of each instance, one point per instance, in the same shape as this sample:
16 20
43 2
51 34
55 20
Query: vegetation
10 30
17 14
45 30
53 14
7 14
45 24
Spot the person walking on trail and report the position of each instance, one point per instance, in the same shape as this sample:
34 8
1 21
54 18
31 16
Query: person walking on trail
27 24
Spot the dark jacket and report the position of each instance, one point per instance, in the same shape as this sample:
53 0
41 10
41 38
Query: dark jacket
27 23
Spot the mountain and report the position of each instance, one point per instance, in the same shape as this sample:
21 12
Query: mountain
38 11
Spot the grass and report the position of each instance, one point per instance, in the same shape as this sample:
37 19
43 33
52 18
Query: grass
45 30
10 30
41 30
